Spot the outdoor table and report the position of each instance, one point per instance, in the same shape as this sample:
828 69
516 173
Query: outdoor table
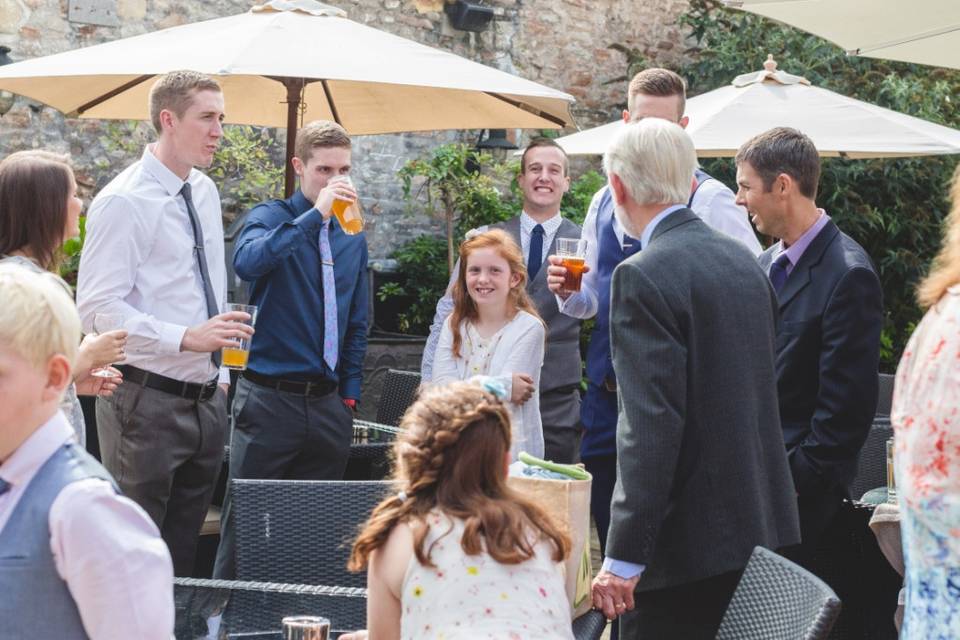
243 610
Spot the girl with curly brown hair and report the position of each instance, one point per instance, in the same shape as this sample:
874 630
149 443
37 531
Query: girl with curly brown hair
456 553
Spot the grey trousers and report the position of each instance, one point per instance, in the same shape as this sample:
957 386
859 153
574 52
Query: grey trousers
560 413
165 453
280 435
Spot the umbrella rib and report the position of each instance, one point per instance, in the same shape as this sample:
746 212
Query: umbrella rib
113 92
333 107
905 40
526 107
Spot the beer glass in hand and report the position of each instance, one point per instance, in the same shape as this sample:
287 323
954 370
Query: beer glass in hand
572 253
236 357
348 213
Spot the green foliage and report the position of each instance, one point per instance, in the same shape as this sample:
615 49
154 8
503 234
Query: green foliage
894 208
71 254
576 201
245 168
423 282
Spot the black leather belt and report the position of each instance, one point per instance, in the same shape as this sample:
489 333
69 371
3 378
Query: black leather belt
315 388
188 390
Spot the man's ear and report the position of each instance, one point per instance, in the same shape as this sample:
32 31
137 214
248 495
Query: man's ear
683 122
626 116
784 185
167 119
59 376
297 165
618 189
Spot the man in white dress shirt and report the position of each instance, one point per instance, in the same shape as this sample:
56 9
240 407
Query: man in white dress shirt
77 560
154 256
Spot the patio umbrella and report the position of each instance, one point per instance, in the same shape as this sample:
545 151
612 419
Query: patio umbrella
920 31
294 60
723 119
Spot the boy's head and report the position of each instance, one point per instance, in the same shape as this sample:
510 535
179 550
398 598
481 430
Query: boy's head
322 150
39 336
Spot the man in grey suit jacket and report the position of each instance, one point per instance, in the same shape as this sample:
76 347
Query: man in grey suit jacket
702 476
543 179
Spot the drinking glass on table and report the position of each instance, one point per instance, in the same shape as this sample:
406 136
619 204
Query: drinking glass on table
305 628
102 323
236 357
573 256
891 479
348 213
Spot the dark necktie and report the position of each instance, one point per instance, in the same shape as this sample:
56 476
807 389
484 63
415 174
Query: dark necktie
4 486
212 310
778 272
536 251
628 243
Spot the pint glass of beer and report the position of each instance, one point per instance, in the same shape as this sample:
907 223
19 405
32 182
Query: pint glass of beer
348 213
572 252
236 357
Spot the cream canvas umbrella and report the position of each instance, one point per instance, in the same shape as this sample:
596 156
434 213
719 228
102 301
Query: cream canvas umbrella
723 119
290 61
920 31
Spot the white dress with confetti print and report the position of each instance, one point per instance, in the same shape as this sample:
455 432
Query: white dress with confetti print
475 597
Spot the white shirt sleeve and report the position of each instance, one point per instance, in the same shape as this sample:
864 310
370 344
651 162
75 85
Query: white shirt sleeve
716 205
117 242
444 309
444 363
584 303
114 562
525 355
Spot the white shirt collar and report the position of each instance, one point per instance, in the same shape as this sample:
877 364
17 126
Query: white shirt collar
527 223
170 181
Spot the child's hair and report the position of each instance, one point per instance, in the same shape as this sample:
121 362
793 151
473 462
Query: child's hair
34 187
463 306
450 457
37 318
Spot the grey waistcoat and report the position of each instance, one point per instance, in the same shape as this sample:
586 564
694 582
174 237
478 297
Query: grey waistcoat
34 600
561 360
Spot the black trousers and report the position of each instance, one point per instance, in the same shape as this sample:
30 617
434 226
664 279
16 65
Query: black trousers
165 453
690 611
560 413
283 436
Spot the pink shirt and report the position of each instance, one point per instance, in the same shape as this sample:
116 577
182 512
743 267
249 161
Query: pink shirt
105 547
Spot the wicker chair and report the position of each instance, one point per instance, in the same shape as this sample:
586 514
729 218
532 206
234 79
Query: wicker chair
885 398
778 600
370 451
872 464
589 626
300 531
252 607
399 392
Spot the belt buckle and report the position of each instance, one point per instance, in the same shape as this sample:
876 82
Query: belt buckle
307 388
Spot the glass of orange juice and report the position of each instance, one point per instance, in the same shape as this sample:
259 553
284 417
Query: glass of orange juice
236 357
348 213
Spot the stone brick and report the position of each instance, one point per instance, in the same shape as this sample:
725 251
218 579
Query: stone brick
12 16
132 9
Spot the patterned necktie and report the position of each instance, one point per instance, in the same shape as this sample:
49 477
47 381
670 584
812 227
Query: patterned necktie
536 252
330 332
211 300
629 243
4 486
778 272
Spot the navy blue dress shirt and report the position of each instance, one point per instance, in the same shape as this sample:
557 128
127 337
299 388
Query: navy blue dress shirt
278 252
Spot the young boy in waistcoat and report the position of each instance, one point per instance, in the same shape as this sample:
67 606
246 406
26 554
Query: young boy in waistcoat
77 560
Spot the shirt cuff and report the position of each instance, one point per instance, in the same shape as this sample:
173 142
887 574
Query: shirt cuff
171 337
310 221
621 569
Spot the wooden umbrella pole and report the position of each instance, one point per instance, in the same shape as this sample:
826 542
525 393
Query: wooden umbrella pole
294 91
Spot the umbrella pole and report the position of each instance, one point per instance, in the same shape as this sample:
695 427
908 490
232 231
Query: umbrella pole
294 89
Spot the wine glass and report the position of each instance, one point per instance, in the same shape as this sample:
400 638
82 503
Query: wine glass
102 323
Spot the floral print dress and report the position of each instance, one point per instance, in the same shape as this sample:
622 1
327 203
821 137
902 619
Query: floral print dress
476 598
926 420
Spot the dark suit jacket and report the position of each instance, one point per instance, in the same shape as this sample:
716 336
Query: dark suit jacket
702 475
828 353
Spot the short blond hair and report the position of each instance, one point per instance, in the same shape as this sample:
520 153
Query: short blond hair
37 318
655 159
319 134
174 92
661 83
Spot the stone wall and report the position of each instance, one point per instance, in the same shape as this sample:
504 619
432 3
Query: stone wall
560 43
